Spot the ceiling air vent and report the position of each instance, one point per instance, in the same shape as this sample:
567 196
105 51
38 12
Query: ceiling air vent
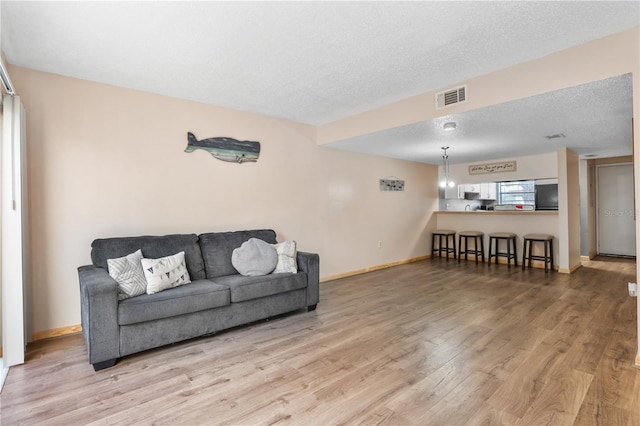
556 136
451 97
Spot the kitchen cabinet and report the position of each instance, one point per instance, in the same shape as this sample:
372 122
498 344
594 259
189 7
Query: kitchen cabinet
488 191
485 191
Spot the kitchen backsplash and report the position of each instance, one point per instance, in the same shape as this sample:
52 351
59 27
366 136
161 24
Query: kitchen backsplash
459 205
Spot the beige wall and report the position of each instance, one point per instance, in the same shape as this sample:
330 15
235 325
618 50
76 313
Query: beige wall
569 210
107 161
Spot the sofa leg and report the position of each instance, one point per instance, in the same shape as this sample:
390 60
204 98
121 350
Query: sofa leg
104 364
312 307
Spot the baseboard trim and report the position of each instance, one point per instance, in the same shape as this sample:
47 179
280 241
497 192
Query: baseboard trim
56 332
570 270
373 268
534 264
585 258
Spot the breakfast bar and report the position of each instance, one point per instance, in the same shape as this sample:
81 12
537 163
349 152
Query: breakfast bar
517 222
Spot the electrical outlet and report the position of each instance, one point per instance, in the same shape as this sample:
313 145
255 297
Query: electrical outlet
379 243
633 289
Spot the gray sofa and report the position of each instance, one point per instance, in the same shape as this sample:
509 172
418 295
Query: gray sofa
217 298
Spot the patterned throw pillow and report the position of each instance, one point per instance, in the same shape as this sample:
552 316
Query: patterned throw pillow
165 272
127 271
286 257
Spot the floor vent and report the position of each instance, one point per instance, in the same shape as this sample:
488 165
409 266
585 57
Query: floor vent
451 97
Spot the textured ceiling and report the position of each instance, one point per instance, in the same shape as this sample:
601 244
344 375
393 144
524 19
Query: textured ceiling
311 62
595 119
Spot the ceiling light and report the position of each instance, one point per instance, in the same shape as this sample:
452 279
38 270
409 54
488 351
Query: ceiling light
450 125
446 181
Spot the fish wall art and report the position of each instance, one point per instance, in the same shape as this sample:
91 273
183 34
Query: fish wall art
225 149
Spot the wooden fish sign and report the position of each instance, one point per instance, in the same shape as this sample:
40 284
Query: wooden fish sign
225 149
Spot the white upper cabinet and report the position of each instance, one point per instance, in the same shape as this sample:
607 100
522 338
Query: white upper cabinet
488 191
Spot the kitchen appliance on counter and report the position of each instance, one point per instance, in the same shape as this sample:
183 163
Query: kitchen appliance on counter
514 207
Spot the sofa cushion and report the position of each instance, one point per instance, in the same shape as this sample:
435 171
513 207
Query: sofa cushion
165 272
127 271
254 258
247 288
152 247
217 248
197 296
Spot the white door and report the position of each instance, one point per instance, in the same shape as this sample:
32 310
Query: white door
616 220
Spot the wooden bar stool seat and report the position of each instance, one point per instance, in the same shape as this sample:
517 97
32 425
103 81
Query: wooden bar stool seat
547 258
478 244
443 246
510 238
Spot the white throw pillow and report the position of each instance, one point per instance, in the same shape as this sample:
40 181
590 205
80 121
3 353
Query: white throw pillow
286 257
165 272
254 257
127 271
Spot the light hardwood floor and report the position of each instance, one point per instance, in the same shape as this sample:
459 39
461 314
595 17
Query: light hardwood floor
427 343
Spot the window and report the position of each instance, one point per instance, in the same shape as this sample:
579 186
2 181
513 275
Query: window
517 192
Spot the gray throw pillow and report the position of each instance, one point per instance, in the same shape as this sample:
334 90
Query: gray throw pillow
254 257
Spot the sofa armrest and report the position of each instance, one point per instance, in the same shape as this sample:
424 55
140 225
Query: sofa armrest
310 264
99 312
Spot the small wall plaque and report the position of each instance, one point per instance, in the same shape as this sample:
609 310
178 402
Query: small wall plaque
481 169
391 185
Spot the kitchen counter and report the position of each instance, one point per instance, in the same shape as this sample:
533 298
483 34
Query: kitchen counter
501 212
517 221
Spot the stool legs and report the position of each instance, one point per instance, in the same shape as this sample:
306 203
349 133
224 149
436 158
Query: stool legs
478 248
494 250
446 246
528 257
443 247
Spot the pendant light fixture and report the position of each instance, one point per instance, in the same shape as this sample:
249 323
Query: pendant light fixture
446 181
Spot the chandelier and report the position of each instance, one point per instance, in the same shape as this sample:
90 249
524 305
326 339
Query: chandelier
446 181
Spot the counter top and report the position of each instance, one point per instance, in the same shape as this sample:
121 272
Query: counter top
501 212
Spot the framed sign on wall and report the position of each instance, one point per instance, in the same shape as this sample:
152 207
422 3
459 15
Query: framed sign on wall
481 169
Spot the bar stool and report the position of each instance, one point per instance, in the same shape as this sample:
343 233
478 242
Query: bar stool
478 245
447 234
547 241
510 238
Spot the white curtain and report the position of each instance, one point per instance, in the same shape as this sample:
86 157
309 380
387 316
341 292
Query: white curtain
15 235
